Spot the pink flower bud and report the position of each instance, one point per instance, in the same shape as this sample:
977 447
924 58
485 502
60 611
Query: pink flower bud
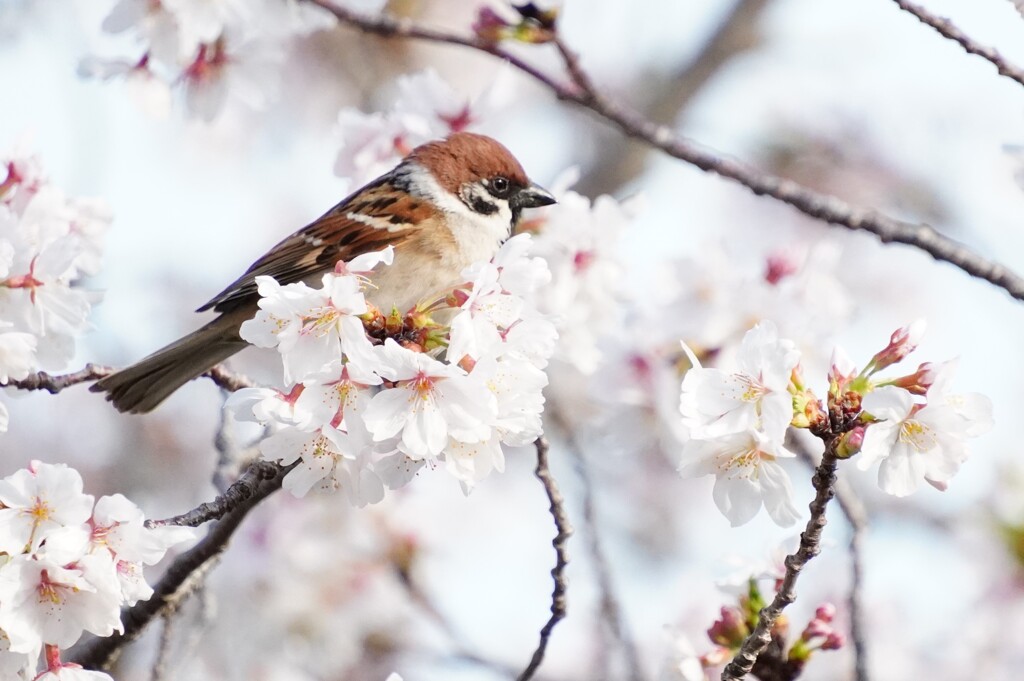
902 342
920 381
779 266
841 370
850 443
729 630
834 641
489 26
826 612
816 629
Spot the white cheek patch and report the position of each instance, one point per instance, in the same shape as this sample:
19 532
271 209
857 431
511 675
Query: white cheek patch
478 235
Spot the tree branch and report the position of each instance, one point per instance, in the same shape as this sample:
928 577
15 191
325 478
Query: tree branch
54 384
948 30
185 572
810 545
241 490
823 207
856 515
564 531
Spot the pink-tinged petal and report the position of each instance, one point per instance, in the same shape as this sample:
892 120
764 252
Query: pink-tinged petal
387 412
777 492
879 439
888 403
901 473
738 498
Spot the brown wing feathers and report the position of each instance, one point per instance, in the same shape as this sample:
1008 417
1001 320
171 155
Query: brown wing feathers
368 221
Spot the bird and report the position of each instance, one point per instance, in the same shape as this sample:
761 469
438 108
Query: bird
447 204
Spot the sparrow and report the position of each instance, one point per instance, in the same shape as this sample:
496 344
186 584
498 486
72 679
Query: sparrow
448 204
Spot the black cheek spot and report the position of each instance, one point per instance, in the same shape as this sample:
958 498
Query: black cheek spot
483 207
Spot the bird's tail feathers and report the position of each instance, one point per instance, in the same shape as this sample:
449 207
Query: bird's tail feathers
144 385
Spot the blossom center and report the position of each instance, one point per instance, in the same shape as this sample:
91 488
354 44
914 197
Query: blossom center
917 435
50 591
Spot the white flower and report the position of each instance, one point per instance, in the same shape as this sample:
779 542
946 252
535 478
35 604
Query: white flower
118 528
310 327
746 475
714 403
488 311
157 27
43 602
37 502
17 354
263 405
72 672
334 400
432 402
329 458
913 443
974 408
246 72
580 242
520 274
15 666
518 388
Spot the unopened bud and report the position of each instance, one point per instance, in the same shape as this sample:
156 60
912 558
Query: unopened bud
920 381
778 267
729 630
902 342
834 641
394 323
490 27
849 444
826 612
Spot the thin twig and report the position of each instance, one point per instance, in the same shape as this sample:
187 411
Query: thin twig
228 380
54 384
824 207
610 608
947 29
564 531
856 515
810 546
248 485
185 573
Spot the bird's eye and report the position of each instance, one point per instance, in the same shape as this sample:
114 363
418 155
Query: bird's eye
499 186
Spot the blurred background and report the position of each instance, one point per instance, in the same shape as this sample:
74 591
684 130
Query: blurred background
855 99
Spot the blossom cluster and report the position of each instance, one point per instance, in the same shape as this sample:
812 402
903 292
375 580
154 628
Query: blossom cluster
425 108
737 422
370 397
67 565
48 243
214 50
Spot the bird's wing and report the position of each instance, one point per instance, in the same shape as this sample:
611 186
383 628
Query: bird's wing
370 220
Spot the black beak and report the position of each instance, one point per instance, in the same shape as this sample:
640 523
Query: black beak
533 196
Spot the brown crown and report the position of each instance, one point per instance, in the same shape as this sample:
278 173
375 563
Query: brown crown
467 157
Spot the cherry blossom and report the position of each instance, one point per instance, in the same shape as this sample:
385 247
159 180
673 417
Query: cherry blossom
913 442
715 402
37 502
747 475
425 108
430 402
